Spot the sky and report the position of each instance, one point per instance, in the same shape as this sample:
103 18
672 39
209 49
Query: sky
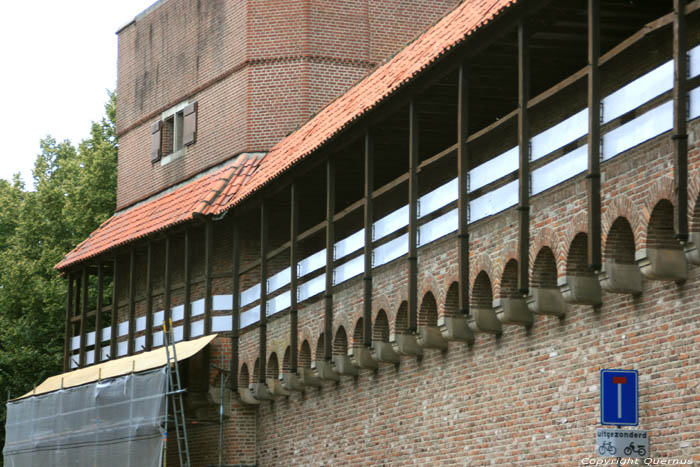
58 59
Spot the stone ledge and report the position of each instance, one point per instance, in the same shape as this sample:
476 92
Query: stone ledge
291 382
361 357
276 389
261 392
309 378
406 344
546 301
430 337
456 328
513 311
343 366
692 248
662 264
384 352
326 372
620 278
484 320
580 290
246 396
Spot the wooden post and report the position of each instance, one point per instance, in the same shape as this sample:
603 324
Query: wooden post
114 333
67 347
413 218
187 306
167 282
368 221
463 186
132 301
593 176
524 153
680 117
330 243
294 279
263 289
149 297
83 318
208 253
98 312
235 303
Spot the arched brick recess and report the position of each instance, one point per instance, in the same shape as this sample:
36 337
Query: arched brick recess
482 294
621 206
305 355
380 330
577 256
340 342
481 263
342 319
319 354
277 346
661 189
401 322
451 306
544 269
509 281
381 303
509 252
256 371
243 377
660 231
427 314
619 245
576 226
694 202
429 285
272 370
546 238
287 360
694 221
358 333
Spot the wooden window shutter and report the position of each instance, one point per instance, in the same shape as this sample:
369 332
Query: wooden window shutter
156 141
189 126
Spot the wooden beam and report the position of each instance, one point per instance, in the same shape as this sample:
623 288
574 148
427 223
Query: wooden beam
83 318
330 242
132 302
680 119
67 347
294 279
114 332
208 259
463 187
235 303
98 312
187 306
149 296
368 223
413 130
593 176
263 288
524 157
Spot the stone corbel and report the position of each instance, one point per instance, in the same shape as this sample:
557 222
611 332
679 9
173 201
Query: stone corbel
662 264
246 396
430 337
361 357
580 290
291 382
344 367
692 248
276 389
456 328
620 278
309 378
513 311
406 344
484 320
325 371
215 397
384 352
546 301
261 392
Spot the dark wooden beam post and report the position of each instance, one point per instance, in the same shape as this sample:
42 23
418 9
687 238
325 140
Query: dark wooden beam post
132 301
263 289
69 326
680 117
330 242
187 306
114 333
463 187
235 303
593 176
208 259
524 167
413 217
294 279
149 297
369 220
83 318
167 279
98 312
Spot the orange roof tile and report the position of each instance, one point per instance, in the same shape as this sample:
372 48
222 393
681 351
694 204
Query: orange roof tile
224 188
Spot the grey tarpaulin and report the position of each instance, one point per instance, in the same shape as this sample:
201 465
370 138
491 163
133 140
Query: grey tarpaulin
116 421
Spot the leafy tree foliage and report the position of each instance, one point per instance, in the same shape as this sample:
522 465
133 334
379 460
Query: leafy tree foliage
74 192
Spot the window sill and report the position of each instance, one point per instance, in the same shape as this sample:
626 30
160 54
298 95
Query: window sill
172 157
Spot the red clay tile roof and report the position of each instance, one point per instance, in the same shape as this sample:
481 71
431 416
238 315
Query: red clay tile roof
223 189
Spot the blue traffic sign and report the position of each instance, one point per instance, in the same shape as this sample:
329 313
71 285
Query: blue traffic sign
619 397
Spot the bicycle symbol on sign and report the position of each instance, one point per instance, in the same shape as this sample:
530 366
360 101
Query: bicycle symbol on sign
608 447
639 450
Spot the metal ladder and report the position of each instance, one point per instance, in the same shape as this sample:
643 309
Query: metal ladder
174 393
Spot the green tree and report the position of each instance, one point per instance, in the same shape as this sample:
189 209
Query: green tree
74 192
